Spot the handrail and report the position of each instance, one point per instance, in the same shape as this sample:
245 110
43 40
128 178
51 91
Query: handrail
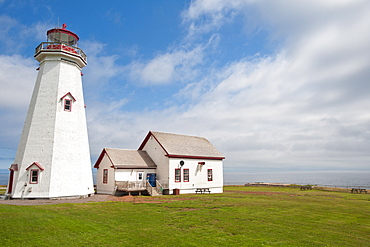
159 185
149 188
163 184
61 47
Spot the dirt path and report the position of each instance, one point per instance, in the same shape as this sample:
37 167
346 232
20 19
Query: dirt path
94 198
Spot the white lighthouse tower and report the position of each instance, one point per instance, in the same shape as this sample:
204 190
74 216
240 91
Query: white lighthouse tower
53 156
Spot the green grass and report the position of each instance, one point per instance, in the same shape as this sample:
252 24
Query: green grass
242 216
2 189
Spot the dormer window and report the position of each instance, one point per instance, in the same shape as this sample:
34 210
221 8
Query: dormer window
67 105
68 100
34 172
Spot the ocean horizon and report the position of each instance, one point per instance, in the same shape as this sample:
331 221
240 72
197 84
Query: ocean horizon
343 179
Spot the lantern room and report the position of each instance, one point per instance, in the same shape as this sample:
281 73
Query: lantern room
60 40
62 35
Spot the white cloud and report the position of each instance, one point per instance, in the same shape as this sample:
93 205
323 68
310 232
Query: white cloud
305 107
14 35
101 67
17 79
177 65
207 15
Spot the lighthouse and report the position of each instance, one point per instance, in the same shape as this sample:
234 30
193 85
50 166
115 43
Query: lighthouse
53 156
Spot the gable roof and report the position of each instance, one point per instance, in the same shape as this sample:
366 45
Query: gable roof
69 93
183 146
36 164
126 159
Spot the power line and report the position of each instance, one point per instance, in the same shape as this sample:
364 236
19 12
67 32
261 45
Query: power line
8 148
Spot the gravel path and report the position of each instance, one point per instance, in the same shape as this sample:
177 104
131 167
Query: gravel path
94 198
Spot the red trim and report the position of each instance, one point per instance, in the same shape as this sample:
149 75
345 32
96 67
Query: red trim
71 54
37 178
13 167
194 157
58 30
36 164
69 93
10 185
146 140
188 175
101 156
179 170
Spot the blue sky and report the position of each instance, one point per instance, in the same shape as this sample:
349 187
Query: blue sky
274 85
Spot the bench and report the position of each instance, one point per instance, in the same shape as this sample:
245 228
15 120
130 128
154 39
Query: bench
306 187
202 190
354 190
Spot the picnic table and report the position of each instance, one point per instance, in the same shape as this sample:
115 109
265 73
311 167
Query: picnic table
306 187
355 190
202 190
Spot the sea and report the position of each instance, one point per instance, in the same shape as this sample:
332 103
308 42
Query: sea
340 179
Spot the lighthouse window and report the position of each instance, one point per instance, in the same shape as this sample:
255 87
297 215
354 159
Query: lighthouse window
67 105
34 178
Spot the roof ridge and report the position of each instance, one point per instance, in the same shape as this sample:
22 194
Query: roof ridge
167 133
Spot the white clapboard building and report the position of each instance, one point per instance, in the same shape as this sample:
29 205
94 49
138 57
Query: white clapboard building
53 156
163 164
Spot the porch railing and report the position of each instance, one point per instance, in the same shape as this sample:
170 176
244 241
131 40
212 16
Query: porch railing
131 186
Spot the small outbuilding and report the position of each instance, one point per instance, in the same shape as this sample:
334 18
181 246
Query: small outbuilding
163 164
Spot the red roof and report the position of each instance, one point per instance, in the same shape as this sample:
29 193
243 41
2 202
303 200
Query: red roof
62 35
69 93
36 164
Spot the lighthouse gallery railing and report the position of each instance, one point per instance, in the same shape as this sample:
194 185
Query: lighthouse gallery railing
60 47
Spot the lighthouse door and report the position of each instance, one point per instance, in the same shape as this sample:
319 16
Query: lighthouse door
10 186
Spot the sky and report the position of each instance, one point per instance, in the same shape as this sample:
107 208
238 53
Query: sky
275 85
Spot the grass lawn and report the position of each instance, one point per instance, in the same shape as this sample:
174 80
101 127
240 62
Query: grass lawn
2 189
242 216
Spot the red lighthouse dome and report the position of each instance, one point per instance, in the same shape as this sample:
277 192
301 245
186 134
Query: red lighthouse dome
62 35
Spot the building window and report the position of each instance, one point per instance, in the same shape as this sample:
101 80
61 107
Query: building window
105 176
34 176
67 105
209 175
177 175
186 175
140 176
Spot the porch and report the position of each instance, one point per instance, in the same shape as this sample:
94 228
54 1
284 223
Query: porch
140 187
